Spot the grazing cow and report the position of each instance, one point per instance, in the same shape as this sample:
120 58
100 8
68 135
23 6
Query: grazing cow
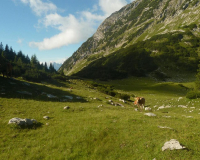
140 102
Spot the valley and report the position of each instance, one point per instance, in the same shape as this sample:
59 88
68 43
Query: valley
92 128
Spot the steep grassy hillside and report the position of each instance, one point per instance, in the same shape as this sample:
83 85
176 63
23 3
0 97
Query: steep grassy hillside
93 128
141 21
177 51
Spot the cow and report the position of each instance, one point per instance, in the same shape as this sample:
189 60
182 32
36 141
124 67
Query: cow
140 102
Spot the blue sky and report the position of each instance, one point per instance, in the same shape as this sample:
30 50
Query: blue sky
52 29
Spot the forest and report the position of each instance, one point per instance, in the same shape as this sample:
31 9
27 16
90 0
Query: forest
22 66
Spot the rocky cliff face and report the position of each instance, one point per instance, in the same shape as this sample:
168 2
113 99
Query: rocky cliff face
137 21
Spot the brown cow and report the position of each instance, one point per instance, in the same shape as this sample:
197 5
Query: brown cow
140 102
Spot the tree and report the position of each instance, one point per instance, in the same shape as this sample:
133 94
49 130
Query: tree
34 61
51 68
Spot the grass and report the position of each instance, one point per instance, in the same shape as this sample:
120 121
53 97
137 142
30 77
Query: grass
86 131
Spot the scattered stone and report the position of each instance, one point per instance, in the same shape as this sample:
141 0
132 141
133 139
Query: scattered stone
172 144
187 116
66 107
25 83
192 107
164 127
150 114
22 122
167 116
136 109
69 97
47 124
25 92
46 117
51 96
182 106
147 109
180 98
164 107
100 106
122 100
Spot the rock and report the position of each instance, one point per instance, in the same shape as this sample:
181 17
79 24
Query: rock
69 97
110 100
150 114
180 98
22 122
24 92
100 106
46 117
147 109
182 106
163 107
172 144
164 127
66 107
51 96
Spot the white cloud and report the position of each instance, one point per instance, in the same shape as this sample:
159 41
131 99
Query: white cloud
20 41
110 6
40 7
72 29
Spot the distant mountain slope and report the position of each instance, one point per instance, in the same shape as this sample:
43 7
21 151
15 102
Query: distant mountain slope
170 26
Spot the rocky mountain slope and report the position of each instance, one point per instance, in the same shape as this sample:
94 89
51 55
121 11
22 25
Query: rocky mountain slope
142 21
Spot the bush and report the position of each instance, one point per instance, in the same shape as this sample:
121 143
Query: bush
59 77
35 75
193 94
123 96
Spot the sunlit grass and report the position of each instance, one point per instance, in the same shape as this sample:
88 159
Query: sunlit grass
86 131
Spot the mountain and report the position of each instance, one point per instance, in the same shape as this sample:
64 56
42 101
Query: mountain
57 65
143 36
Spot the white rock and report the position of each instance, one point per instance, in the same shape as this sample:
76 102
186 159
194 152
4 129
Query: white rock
150 114
172 144
147 109
164 127
66 107
51 96
182 106
46 117
69 97
21 122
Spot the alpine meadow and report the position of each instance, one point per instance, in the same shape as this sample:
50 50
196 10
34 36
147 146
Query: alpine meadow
90 108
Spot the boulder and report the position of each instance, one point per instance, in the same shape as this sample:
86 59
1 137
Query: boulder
22 122
147 109
66 107
46 117
150 114
172 144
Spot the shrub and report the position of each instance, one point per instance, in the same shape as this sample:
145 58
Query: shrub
123 96
35 75
193 94
59 77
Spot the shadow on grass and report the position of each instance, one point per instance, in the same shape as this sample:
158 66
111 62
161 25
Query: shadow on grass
34 126
50 91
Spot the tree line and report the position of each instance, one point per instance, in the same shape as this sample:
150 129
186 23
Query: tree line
23 66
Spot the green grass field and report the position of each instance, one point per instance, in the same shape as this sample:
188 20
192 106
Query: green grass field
88 131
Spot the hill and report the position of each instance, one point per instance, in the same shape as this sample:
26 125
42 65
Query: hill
167 31
93 127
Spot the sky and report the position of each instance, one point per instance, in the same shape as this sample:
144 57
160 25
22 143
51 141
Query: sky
52 29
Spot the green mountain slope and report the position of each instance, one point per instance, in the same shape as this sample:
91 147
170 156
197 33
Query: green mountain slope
166 31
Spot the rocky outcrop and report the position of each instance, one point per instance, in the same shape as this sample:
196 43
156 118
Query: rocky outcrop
139 20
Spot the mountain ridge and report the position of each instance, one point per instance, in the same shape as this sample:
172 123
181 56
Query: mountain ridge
137 21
